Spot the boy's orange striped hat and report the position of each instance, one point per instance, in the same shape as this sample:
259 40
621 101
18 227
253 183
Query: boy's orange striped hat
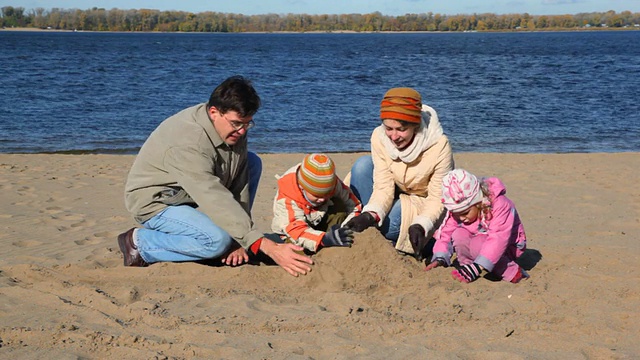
317 175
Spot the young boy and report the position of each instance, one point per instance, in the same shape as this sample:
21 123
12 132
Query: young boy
312 203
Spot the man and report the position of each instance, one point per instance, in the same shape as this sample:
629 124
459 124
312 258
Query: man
192 186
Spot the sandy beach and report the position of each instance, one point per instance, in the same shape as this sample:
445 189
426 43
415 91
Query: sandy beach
64 293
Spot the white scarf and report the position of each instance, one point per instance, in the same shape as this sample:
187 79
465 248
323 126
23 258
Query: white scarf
428 134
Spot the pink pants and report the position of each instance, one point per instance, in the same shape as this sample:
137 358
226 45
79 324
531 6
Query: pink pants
467 247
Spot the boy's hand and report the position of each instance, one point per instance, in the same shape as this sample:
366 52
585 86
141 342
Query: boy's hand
361 222
338 236
286 257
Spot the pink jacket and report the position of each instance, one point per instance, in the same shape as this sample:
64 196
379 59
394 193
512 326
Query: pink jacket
503 228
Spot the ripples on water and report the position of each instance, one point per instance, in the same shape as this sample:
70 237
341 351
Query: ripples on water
507 92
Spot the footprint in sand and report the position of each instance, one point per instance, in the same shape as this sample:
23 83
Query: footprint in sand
90 240
96 263
71 217
111 234
126 296
78 185
27 191
26 243
52 210
80 223
103 254
103 234
56 219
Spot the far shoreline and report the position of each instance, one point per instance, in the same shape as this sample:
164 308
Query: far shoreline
29 29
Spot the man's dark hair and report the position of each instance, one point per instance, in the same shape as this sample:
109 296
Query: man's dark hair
235 94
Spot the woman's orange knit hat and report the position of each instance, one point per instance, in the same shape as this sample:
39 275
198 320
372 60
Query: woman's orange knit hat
403 104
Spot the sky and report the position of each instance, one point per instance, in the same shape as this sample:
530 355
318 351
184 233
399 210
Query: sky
386 7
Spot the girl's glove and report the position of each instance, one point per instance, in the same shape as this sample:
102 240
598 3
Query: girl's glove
467 273
361 222
337 236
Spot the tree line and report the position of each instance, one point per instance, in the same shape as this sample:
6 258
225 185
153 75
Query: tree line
99 19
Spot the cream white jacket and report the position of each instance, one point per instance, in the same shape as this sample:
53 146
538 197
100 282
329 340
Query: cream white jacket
417 171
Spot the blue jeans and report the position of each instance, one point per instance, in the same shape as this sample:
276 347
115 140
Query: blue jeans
362 187
182 233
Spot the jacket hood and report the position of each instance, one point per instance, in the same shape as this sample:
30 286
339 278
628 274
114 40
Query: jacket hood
288 186
495 186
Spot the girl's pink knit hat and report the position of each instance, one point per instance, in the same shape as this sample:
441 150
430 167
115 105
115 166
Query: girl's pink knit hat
460 190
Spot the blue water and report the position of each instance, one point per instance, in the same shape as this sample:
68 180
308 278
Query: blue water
494 92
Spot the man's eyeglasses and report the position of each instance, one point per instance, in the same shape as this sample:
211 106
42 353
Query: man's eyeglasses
239 125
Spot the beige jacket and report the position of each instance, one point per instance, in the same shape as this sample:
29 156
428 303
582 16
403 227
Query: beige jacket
419 180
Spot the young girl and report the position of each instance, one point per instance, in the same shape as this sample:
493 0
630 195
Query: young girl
482 226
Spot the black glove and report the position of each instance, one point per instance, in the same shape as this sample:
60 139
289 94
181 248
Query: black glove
418 240
467 273
338 236
361 222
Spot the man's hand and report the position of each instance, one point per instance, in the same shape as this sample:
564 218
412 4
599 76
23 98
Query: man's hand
236 256
338 236
286 257
361 222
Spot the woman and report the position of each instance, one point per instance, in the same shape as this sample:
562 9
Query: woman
401 181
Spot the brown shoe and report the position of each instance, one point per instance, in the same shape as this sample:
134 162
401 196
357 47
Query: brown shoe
131 254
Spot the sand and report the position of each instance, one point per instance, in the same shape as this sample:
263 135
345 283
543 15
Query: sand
64 293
